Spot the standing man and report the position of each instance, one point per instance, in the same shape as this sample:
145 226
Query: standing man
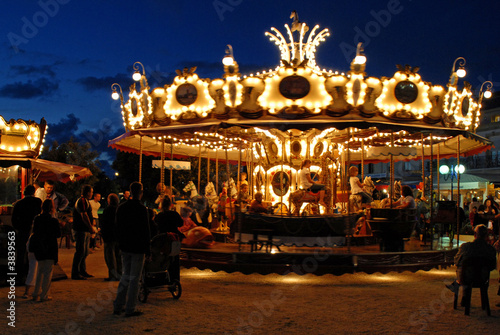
126 195
48 192
95 204
23 214
112 254
132 223
82 225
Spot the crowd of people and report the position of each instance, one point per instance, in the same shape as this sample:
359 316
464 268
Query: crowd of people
126 227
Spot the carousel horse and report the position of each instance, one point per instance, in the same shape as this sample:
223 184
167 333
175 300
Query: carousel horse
355 200
233 190
300 196
199 204
397 195
212 199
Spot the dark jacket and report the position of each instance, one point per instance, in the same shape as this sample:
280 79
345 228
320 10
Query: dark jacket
132 224
23 214
168 222
46 230
82 208
477 248
107 224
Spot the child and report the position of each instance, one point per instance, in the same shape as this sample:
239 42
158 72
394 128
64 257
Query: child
357 186
186 217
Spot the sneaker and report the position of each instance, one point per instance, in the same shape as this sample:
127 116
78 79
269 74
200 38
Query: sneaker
134 313
48 298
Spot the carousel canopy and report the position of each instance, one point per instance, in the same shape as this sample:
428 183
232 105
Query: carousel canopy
298 110
20 138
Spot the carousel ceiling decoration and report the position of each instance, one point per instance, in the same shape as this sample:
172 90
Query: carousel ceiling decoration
20 138
298 110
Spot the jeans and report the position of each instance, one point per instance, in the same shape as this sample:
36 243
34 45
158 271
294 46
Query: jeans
129 283
113 259
43 278
82 250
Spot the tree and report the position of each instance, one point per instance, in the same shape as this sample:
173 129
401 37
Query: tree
80 154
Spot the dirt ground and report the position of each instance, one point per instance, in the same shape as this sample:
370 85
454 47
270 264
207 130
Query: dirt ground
222 303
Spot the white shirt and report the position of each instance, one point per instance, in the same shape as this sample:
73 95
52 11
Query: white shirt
355 189
95 207
40 193
302 178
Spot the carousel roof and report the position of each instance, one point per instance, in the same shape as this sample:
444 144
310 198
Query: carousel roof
20 138
299 102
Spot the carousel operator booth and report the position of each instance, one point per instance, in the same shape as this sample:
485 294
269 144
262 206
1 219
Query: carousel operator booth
273 120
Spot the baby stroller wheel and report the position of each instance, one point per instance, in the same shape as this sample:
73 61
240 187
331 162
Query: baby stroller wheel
143 293
175 289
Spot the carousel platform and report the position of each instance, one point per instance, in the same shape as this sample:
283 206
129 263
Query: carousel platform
362 255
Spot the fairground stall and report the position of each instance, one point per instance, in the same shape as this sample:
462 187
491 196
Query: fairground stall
271 121
21 142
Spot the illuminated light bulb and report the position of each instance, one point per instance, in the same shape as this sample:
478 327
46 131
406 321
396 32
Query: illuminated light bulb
461 72
487 94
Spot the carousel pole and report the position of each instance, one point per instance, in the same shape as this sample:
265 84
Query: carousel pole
162 174
458 190
431 176
423 164
250 170
362 159
208 165
281 175
228 179
217 171
238 185
348 223
199 168
391 169
172 169
140 159
437 173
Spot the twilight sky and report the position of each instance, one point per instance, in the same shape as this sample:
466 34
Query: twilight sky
59 57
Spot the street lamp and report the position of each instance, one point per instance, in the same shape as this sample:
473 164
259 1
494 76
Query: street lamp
230 65
452 174
137 76
115 95
228 59
477 112
460 73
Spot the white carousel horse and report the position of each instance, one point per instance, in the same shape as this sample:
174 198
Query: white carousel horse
190 187
198 203
211 195
355 200
397 195
231 189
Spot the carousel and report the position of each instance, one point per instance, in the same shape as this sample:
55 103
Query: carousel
271 121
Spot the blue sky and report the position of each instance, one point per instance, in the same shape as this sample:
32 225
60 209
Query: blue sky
60 57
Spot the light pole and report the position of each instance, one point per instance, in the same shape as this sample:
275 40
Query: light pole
137 76
460 73
477 112
452 173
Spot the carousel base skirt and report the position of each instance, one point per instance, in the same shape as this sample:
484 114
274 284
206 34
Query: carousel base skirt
358 254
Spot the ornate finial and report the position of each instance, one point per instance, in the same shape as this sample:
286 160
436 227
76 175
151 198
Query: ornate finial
295 52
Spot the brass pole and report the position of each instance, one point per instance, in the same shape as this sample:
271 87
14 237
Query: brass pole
140 159
458 190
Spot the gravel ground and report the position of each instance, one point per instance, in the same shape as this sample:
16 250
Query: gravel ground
221 303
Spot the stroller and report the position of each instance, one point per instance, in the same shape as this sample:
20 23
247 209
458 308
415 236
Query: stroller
165 249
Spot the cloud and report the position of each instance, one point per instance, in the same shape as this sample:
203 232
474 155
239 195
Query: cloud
64 130
92 84
44 70
31 89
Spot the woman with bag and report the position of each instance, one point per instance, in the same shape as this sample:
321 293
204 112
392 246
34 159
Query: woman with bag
46 230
